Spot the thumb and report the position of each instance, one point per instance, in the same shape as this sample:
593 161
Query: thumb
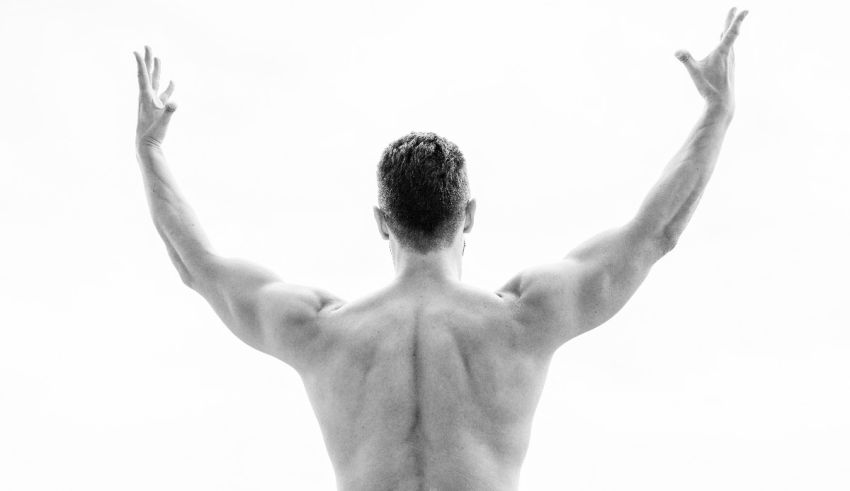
170 107
685 57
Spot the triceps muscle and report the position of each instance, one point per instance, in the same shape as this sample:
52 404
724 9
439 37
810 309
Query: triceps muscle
610 268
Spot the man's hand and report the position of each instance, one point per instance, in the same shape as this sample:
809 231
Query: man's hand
154 110
714 74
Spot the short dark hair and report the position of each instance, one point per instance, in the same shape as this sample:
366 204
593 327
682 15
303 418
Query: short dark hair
423 189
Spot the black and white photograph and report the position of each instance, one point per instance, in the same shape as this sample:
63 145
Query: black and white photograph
424 246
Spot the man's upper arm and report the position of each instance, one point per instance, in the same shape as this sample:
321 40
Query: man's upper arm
266 313
561 300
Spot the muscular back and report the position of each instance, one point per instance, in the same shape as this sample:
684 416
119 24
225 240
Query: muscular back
426 388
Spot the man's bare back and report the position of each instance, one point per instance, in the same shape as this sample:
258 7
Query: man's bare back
426 388
430 383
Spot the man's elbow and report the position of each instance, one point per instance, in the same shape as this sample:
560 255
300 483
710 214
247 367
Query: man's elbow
187 280
667 241
185 276
658 240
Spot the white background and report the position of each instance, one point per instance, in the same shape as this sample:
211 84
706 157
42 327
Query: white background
727 370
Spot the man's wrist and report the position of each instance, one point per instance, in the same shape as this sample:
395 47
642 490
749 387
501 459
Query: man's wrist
723 109
148 152
147 144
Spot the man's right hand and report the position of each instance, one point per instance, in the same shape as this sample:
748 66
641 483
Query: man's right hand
714 74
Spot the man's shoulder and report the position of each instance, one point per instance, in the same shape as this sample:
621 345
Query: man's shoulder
458 297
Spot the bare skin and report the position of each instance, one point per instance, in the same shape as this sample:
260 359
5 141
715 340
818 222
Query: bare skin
431 384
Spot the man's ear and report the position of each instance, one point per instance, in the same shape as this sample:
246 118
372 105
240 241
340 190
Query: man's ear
381 221
469 215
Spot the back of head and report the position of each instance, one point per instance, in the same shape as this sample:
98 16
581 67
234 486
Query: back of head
423 190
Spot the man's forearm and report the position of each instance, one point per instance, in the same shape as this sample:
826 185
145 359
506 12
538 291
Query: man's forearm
671 202
173 218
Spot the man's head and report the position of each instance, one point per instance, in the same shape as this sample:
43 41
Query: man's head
423 192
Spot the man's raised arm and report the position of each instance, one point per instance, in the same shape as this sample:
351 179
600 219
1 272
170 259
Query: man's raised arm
272 316
562 300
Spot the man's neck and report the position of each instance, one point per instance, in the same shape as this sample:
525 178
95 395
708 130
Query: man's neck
434 266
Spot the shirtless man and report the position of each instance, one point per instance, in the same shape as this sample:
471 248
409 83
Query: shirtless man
429 383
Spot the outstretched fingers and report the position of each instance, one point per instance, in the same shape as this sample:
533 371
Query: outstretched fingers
157 69
168 91
149 72
729 18
144 80
732 33
148 59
